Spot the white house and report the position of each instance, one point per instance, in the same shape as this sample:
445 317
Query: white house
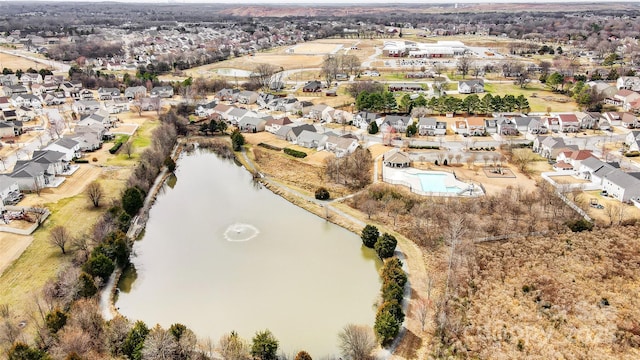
69 147
471 86
341 146
621 185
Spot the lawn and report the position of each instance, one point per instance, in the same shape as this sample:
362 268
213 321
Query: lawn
540 98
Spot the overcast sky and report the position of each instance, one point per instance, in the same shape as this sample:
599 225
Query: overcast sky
363 2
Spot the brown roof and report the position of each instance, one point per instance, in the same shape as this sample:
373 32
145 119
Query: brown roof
475 121
581 154
568 117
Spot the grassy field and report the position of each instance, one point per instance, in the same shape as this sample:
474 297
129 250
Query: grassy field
540 98
23 279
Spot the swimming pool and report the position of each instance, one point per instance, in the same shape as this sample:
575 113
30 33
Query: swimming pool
436 183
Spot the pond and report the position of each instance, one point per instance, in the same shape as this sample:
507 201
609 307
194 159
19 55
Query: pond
234 72
220 254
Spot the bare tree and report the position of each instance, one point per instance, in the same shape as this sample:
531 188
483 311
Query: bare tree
95 193
39 212
356 342
330 67
422 312
522 158
464 64
59 236
262 75
159 345
233 347
9 330
128 149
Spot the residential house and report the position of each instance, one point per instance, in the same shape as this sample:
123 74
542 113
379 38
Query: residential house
10 90
54 99
398 123
40 171
247 97
319 112
5 103
629 121
613 117
149 103
31 78
623 98
338 116
363 119
288 104
491 126
340 145
475 126
69 147
135 92
84 94
85 107
312 86
9 191
7 130
117 105
162 91
552 123
594 169
507 126
601 122
87 140
274 125
311 140
9 115
431 127
295 131
24 113
460 127
9 79
573 158
622 186
549 147
204 110
236 114
568 123
108 93
632 141
227 95
100 116
222 110
628 83
531 125
397 160
27 100
471 86
602 88
251 124
407 87
587 120
37 89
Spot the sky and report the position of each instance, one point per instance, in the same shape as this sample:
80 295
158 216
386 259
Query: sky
344 2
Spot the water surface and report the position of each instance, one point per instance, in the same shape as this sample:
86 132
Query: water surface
221 254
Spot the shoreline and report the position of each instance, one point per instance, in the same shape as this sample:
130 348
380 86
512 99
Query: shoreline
319 208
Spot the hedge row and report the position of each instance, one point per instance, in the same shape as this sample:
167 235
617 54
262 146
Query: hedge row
295 153
270 147
482 148
632 154
426 147
115 147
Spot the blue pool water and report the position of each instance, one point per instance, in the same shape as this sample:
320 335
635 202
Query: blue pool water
434 182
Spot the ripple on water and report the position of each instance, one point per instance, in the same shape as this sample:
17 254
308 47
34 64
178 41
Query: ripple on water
239 232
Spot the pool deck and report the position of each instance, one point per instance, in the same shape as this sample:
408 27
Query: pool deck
408 177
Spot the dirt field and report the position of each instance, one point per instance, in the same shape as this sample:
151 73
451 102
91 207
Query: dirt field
15 62
11 247
566 179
